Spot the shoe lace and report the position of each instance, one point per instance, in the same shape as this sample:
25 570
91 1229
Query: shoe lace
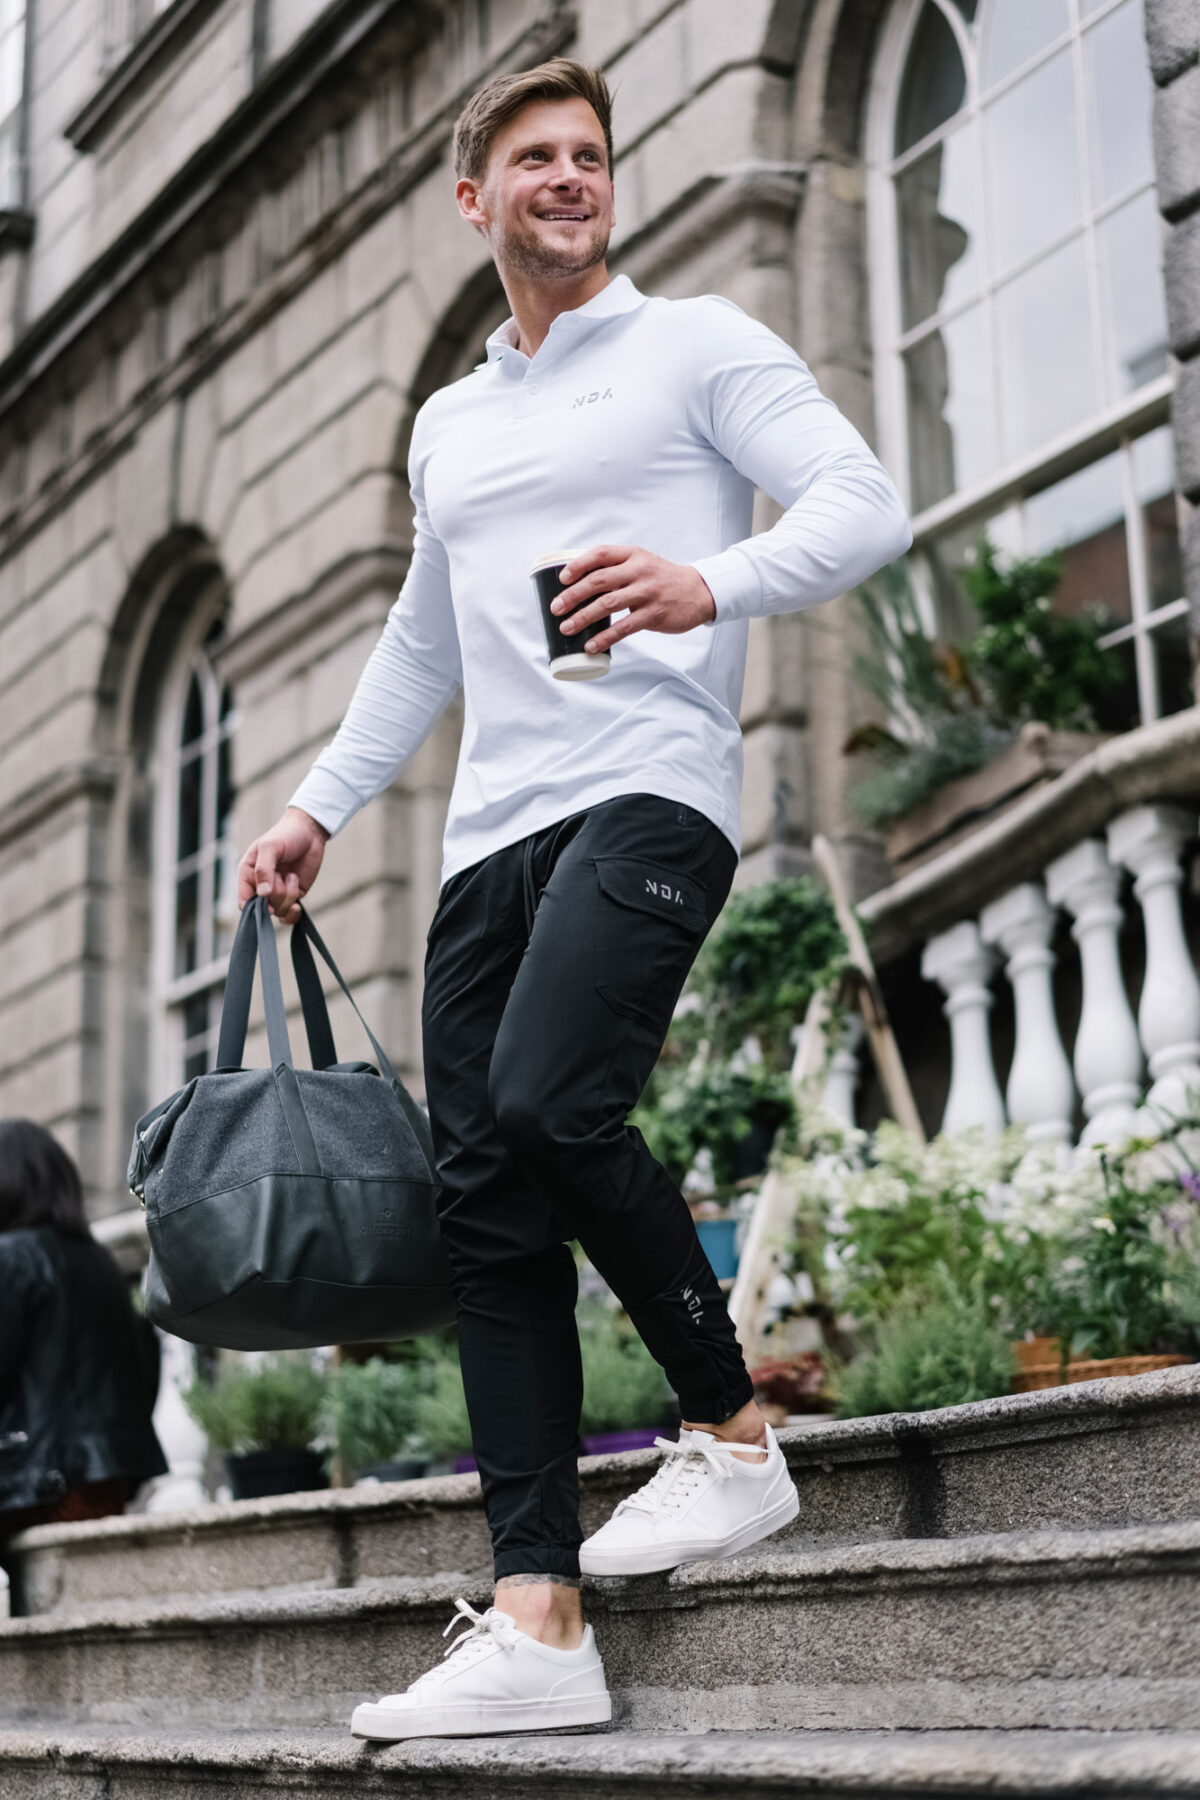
688 1461
483 1629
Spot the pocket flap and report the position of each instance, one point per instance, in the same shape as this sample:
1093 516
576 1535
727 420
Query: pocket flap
652 888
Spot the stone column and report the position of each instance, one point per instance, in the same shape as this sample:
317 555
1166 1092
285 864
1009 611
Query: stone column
841 1082
1108 1055
962 967
1041 1091
184 1444
1148 841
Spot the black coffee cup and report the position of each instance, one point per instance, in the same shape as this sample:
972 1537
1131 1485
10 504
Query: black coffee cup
569 661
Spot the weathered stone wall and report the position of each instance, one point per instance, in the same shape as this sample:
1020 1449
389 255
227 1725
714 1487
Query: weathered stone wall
1173 33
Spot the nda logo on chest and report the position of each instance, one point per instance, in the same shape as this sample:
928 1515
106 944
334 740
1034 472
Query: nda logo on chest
591 399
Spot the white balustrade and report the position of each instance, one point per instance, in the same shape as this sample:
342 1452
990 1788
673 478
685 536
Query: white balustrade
1108 1055
1041 1089
184 1444
1148 841
841 1081
962 966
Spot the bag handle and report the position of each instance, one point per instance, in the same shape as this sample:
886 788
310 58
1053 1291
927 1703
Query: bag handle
239 986
304 933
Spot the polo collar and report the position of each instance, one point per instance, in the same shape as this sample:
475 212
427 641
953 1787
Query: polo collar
620 296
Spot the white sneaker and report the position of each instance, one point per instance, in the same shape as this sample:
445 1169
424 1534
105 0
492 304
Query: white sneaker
703 1503
494 1678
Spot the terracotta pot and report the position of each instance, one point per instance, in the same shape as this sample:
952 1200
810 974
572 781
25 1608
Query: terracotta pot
1048 1375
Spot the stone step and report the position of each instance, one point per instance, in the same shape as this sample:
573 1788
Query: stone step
1114 1452
85 1764
1065 1630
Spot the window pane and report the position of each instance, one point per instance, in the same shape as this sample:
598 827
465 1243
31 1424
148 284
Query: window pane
1017 30
187 901
193 714
224 786
1045 350
948 555
1119 102
188 841
200 1014
1033 163
1175 689
1131 273
1154 479
935 82
939 207
1119 710
951 429
1084 516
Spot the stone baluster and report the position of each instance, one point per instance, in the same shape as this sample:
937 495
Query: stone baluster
1108 1055
1041 1091
841 1081
1147 841
183 1443
962 966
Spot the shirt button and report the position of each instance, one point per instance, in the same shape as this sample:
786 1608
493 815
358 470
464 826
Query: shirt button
535 387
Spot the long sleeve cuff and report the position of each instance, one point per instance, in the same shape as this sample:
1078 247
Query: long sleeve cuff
733 581
328 799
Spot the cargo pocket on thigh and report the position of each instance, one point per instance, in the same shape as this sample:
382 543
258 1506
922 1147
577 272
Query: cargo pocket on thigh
650 924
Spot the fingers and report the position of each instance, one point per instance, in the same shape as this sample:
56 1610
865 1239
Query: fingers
598 572
640 620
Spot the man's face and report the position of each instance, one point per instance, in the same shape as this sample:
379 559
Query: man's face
545 204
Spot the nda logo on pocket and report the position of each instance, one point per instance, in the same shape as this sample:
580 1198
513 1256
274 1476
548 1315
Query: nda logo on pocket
664 891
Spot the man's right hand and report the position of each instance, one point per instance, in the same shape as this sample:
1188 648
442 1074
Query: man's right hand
283 863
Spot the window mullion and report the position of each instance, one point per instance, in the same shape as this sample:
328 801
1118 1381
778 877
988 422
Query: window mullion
1145 659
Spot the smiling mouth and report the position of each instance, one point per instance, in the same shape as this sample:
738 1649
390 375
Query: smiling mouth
561 218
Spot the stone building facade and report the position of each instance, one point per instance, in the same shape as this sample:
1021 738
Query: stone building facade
230 272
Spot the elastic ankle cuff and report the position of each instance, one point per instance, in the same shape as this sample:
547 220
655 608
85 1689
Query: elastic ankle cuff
714 1408
544 1560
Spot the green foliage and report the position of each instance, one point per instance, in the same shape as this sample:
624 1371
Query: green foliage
716 1109
942 1353
371 1410
1031 662
1118 1298
772 948
951 708
442 1423
274 1407
623 1386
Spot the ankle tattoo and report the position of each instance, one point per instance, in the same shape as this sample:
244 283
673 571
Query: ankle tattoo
536 1577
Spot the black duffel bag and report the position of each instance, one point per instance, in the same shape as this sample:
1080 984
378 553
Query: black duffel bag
289 1207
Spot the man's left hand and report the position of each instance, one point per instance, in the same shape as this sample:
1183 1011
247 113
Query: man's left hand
660 595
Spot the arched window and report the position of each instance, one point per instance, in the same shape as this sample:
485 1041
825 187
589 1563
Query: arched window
195 876
1019 316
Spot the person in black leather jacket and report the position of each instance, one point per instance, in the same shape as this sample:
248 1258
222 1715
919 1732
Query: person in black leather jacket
78 1368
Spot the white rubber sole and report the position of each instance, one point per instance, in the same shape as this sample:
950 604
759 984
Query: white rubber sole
655 1559
482 1719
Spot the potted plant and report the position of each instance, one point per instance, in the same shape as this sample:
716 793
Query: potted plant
971 726
945 1352
266 1419
371 1415
731 1113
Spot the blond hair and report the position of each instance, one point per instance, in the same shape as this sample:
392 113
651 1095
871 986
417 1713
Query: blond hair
486 112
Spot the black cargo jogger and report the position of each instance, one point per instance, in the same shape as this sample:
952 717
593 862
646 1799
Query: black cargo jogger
552 972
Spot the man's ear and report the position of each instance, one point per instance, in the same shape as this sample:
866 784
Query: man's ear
467 195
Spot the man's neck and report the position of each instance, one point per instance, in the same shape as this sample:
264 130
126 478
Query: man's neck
536 304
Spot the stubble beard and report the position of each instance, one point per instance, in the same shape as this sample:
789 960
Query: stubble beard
528 254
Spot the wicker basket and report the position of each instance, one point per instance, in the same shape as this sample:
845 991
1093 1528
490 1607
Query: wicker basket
1052 1374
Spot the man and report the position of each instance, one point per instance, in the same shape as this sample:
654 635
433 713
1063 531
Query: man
592 839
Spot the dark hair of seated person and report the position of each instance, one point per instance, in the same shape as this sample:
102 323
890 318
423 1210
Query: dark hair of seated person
39 1183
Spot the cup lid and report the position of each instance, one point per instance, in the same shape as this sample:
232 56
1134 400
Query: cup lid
554 556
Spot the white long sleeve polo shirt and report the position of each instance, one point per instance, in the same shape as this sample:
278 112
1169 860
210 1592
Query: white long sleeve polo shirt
640 421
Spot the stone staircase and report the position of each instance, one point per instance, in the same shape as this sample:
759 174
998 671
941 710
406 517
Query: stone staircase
1000 1599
